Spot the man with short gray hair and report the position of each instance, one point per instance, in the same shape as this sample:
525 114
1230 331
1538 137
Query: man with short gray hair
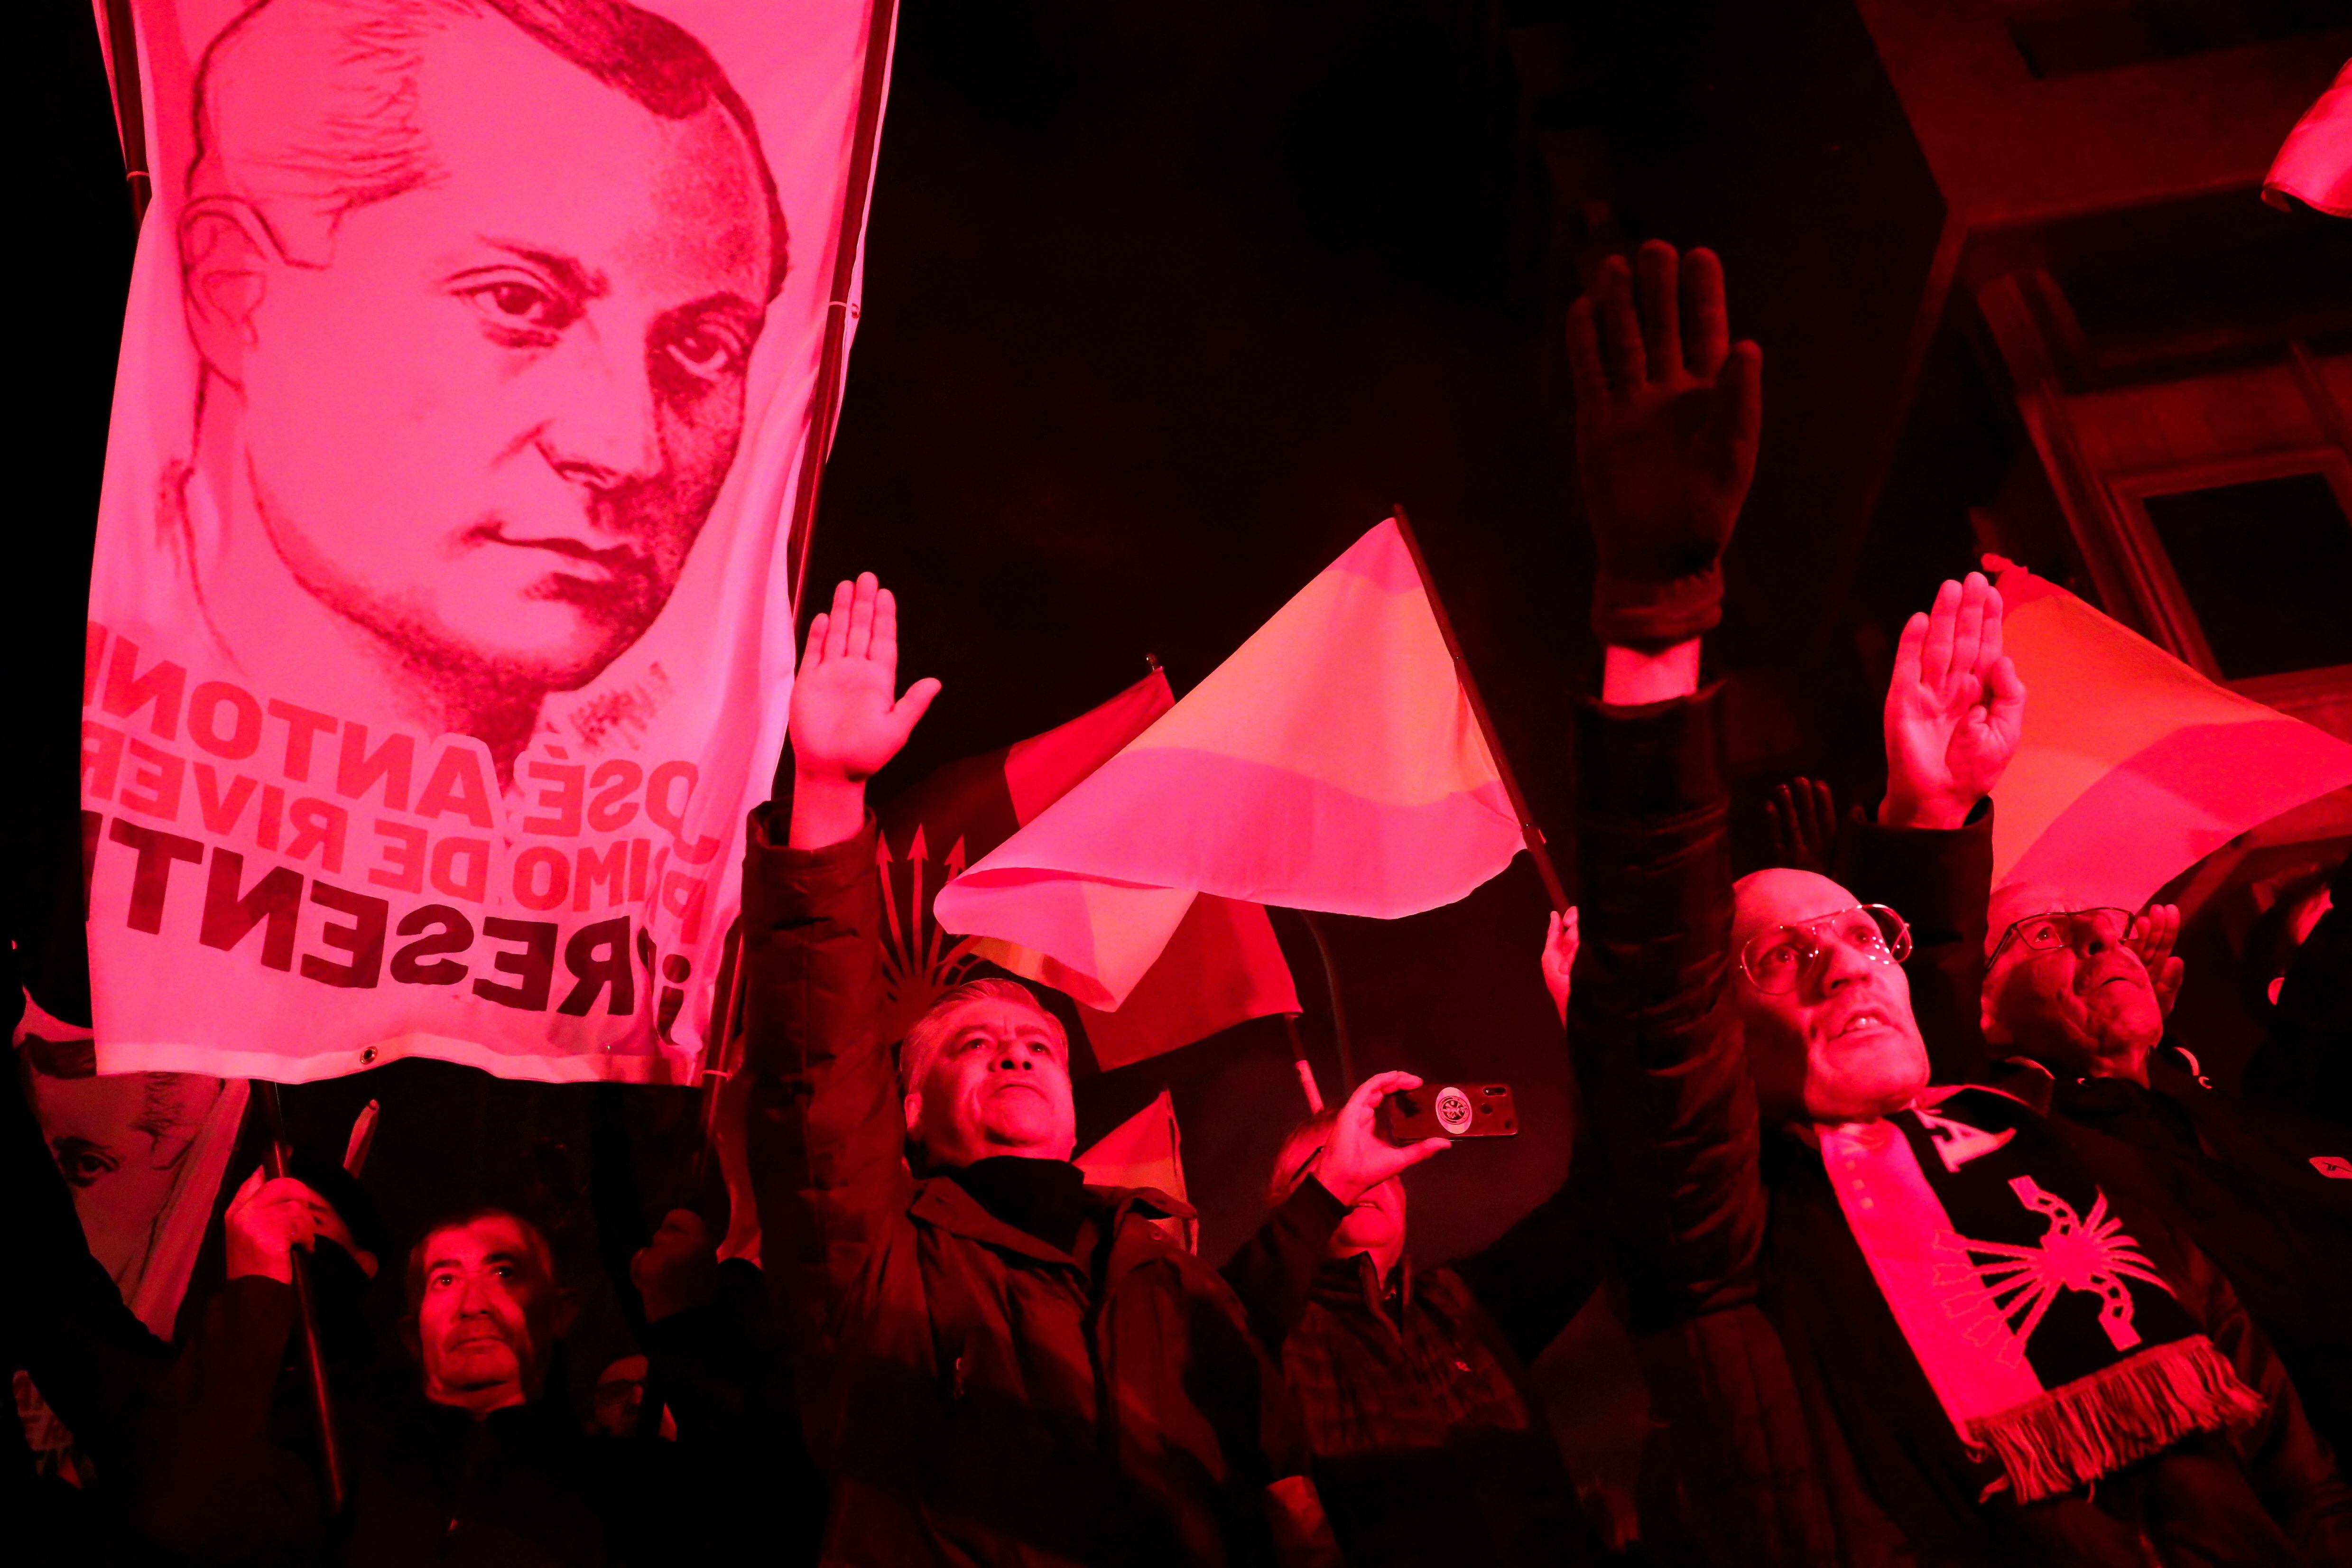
997 1363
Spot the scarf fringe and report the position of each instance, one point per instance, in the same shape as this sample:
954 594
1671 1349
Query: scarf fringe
2095 1426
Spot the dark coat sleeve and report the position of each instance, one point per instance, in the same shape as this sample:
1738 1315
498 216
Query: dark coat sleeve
1539 1273
1674 1120
1655 1045
62 1318
2288 1462
1271 1272
1940 882
825 1130
217 1486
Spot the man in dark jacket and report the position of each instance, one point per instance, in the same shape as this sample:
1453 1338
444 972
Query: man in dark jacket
997 1363
1885 1325
2267 1195
468 1458
1429 1445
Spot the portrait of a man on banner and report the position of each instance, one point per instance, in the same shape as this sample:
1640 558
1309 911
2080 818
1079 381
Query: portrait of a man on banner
439 634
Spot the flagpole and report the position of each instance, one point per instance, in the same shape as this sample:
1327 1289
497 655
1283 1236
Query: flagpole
824 412
1537 846
274 1155
130 108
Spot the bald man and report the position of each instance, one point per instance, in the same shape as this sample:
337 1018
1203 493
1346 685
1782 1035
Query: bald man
2077 995
1884 1323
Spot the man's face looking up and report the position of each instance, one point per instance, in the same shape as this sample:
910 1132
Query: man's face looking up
1000 1084
488 428
2064 988
1839 1044
489 1316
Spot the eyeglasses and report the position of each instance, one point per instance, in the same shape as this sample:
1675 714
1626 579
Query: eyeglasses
1775 958
2062 928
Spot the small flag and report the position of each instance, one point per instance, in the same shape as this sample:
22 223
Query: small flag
2315 164
1224 966
1144 1150
2133 766
1333 763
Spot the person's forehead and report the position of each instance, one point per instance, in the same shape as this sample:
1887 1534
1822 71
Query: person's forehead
1001 1017
2022 901
1782 896
487 1235
539 152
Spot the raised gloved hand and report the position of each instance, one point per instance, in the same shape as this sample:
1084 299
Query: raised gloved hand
1667 411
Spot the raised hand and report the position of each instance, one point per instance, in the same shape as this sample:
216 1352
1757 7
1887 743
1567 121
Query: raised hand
846 722
1560 942
1667 412
1804 818
1357 1158
2152 937
266 1220
1954 711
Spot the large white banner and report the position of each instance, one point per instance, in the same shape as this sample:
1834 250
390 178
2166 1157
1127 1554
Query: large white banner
438 636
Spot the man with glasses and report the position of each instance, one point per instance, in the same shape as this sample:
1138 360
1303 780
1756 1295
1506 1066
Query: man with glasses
1884 1323
2072 1002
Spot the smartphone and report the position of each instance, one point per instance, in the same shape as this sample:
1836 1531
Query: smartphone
1449 1110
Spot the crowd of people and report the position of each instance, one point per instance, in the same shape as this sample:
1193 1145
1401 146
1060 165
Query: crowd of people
1935 1247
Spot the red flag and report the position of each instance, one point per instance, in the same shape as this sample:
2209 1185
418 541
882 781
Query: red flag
1224 966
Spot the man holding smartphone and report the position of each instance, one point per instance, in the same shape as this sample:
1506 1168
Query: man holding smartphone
1429 1445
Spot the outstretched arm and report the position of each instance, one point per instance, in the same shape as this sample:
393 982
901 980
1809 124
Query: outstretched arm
1667 414
825 1131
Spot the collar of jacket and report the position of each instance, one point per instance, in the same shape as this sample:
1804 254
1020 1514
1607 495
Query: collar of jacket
1354 1281
942 1204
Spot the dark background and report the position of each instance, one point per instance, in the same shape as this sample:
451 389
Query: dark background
1165 304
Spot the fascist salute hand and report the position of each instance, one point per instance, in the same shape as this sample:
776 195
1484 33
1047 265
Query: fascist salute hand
844 721
1954 711
1667 412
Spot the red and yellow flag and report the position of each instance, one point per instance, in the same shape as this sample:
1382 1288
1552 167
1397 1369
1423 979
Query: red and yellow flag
2134 766
2315 164
1333 763
1223 967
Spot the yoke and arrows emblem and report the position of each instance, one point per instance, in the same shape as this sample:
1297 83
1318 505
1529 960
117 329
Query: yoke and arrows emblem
2017 1285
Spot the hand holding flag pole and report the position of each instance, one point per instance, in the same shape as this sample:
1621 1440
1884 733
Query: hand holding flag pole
306 1307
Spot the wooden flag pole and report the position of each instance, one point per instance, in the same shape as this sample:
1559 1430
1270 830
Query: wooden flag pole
1537 845
832 362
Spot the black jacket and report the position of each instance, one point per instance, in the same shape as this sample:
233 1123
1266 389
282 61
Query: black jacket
2253 1187
234 1474
1805 1429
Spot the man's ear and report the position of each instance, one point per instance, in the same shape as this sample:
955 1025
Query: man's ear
227 256
1995 1032
914 1113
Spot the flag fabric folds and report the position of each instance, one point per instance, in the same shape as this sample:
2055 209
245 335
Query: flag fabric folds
1224 967
1333 763
1145 1151
2134 766
2315 163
